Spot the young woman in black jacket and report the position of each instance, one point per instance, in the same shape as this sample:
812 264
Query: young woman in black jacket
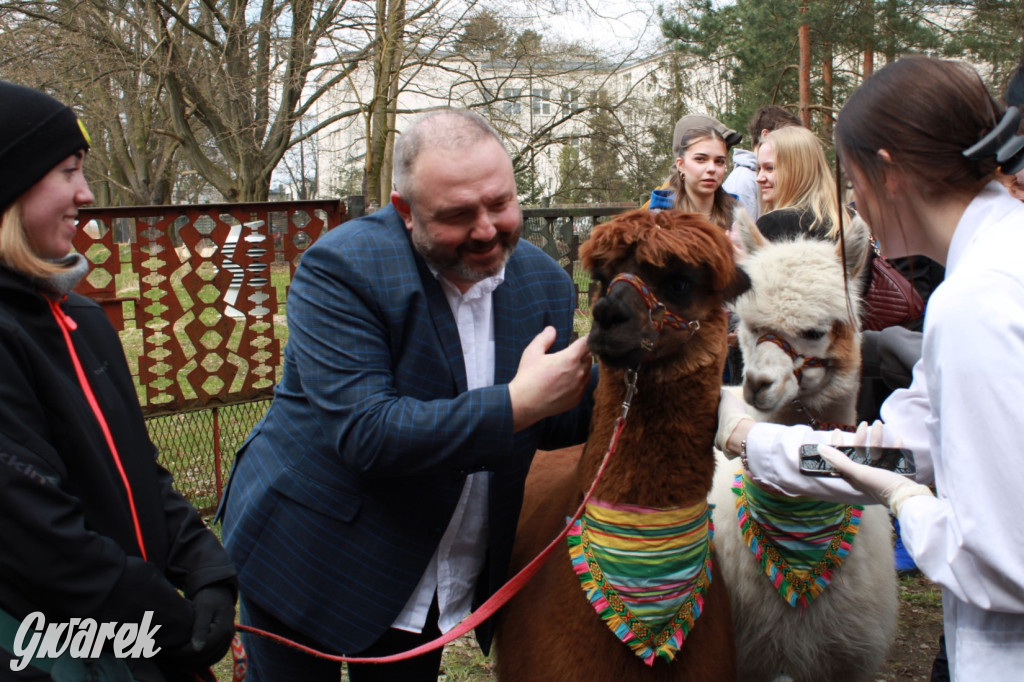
90 526
798 196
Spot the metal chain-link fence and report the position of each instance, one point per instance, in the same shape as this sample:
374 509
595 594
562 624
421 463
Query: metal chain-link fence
198 447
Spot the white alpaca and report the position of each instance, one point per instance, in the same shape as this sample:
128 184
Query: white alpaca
805 371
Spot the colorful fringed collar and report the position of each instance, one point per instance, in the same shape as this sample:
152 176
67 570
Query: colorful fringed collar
645 571
800 541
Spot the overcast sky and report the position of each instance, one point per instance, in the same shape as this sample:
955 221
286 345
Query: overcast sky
617 26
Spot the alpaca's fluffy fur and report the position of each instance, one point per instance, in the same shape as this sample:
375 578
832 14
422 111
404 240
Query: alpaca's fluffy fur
797 291
800 293
549 631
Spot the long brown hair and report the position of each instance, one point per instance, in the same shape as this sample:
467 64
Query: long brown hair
721 209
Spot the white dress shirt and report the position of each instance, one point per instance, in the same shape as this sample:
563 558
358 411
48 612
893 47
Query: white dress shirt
455 566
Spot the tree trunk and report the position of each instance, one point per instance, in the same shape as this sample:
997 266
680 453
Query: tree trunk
387 66
387 161
869 48
827 99
805 67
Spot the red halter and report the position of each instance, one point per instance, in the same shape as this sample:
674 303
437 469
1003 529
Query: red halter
654 305
798 372
799 367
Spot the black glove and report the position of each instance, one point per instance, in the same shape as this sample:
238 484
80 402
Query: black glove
213 628
106 668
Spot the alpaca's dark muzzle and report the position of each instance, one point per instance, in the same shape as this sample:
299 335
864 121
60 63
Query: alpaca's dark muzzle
622 333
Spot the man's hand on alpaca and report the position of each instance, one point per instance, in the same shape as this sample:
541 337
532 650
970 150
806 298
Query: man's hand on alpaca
548 383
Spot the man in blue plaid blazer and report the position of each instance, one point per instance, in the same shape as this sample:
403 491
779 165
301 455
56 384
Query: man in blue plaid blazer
377 501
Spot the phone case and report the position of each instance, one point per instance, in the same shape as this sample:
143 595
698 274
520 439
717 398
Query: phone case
899 460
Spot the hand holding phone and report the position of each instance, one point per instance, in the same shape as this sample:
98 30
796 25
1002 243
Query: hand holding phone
898 460
870 475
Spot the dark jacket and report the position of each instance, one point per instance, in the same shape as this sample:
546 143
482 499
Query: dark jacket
342 493
789 223
68 542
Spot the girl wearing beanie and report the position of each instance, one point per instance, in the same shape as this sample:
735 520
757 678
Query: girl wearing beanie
93 532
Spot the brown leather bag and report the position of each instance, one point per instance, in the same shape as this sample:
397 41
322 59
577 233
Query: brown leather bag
891 299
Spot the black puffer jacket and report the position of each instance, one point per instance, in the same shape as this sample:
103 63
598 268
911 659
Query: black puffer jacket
69 539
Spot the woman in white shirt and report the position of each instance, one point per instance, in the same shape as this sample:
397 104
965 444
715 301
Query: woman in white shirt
922 141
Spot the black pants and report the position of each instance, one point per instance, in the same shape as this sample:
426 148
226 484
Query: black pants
940 667
269 661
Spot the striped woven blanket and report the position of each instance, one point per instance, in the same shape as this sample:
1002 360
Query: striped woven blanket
645 571
799 541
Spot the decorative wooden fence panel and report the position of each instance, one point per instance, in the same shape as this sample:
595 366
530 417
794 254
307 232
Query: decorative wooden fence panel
191 291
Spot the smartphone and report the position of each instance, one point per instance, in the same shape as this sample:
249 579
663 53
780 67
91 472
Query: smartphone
899 460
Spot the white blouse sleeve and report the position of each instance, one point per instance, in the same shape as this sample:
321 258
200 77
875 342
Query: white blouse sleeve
773 450
773 459
906 414
970 539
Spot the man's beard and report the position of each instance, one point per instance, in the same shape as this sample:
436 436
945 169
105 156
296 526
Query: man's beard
452 263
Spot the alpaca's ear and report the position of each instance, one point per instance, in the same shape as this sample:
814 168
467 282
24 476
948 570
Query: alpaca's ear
750 237
857 236
737 286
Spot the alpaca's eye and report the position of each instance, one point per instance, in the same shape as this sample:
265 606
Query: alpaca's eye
812 334
677 287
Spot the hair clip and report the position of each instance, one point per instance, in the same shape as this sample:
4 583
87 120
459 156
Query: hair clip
1003 143
996 138
1011 155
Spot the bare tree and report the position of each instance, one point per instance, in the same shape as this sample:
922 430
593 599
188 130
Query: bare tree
538 98
300 164
131 162
226 80
182 93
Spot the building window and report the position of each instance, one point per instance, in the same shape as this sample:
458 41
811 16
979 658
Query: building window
541 101
570 101
511 104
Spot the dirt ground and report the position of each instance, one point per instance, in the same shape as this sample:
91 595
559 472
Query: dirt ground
917 636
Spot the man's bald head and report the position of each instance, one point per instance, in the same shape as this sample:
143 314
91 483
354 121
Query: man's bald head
445 129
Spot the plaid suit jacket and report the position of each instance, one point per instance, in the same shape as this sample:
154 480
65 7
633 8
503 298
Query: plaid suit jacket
340 496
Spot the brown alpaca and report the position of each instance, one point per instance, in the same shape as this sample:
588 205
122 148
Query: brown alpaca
664 458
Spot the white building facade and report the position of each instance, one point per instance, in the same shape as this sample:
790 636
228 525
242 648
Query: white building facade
537 109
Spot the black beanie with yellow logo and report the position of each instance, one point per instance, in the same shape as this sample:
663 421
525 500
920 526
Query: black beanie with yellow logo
36 133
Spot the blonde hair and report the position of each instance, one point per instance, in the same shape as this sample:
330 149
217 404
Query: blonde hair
15 251
803 177
721 208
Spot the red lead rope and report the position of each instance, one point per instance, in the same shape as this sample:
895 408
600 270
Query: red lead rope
499 598
67 325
